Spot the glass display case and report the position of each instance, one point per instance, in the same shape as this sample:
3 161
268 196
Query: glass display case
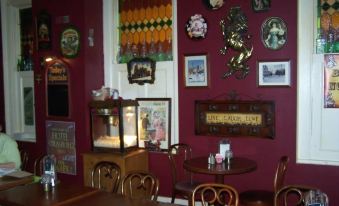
114 125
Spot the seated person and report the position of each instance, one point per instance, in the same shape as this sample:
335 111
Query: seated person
9 152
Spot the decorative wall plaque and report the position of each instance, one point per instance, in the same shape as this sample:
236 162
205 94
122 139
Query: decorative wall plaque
235 118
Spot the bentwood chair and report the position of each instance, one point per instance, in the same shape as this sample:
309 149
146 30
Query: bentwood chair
215 194
140 184
265 197
24 159
182 180
106 176
38 170
299 195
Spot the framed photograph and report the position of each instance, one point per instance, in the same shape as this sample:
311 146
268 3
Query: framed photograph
196 71
141 71
154 123
261 5
70 42
274 33
43 24
274 73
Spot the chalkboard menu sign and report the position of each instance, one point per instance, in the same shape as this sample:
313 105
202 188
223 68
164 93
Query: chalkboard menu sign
58 89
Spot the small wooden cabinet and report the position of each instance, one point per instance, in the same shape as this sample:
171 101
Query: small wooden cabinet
134 160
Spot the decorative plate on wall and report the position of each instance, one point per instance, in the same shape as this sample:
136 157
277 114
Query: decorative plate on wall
70 42
213 4
274 33
196 27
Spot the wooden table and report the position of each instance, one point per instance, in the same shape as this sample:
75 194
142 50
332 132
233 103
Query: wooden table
103 198
34 194
238 165
7 182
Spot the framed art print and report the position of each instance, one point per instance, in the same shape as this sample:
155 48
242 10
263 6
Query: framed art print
154 123
44 39
70 42
274 73
141 71
274 33
196 70
261 5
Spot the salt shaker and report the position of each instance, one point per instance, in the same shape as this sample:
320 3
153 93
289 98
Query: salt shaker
211 159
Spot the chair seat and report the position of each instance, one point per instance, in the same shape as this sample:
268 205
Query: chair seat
256 198
186 187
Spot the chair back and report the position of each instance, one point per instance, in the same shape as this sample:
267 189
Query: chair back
24 159
140 184
215 194
177 154
280 173
38 165
299 195
106 176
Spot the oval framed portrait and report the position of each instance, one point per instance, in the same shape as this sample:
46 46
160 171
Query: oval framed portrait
70 42
213 4
274 33
196 27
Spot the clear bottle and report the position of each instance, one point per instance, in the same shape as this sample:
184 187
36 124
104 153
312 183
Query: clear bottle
330 40
320 42
152 51
143 52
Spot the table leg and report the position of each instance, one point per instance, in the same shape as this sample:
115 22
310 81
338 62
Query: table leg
219 179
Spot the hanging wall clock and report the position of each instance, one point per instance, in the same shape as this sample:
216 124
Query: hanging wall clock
70 42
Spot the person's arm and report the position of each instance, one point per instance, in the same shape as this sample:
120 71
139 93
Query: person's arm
11 154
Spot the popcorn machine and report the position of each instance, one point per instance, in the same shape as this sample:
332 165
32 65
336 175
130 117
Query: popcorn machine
114 125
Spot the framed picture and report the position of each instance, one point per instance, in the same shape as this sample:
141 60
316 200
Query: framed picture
196 72
274 73
261 5
274 33
141 71
70 42
44 39
154 123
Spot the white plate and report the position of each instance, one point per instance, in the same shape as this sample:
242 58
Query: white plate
213 4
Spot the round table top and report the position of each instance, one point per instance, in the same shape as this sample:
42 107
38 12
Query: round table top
238 165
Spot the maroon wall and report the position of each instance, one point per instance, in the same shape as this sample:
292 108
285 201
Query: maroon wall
265 151
87 74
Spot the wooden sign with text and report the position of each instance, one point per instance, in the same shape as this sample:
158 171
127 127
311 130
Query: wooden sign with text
235 118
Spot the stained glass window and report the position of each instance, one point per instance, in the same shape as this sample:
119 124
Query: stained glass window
145 29
328 26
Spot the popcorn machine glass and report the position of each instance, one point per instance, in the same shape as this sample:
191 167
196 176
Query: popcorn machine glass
114 125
